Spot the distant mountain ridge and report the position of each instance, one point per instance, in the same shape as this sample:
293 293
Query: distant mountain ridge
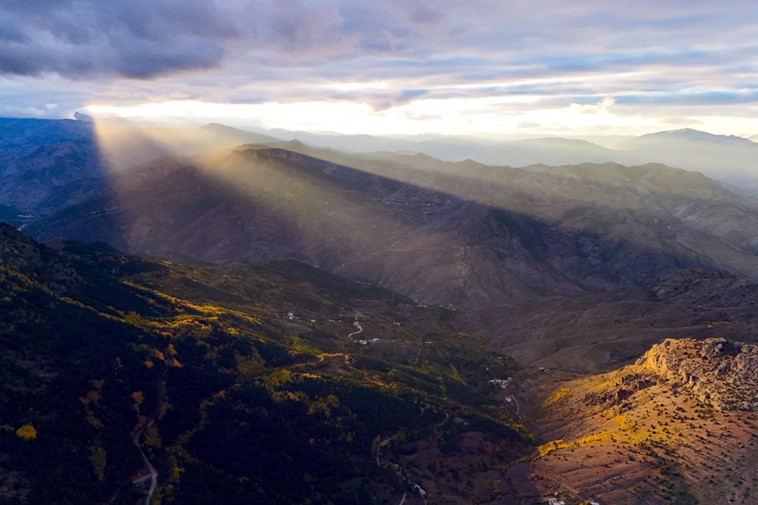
729 159
686 134
21 132
61 151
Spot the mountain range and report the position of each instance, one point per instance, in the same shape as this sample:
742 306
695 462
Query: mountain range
45 154
474 237
728 159
484 239
451 326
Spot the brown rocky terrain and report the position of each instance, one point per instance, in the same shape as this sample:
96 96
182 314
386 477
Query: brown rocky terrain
718 372
679 426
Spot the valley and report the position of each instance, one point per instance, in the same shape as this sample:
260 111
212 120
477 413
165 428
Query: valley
222 313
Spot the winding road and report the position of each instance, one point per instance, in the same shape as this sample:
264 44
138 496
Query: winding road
357 325
152 472
513 398
153 475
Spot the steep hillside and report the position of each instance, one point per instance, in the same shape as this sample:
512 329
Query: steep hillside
280 383
264 383
24 132
677 427
442 233
37 156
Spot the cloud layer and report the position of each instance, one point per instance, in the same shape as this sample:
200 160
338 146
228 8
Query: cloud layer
677 58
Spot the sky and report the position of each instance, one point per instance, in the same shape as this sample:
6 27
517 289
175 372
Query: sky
459 67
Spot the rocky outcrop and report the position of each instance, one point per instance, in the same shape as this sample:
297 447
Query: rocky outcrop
718 372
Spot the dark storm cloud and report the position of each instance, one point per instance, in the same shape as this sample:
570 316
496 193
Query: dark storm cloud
136 38
646 52
141 38
147 38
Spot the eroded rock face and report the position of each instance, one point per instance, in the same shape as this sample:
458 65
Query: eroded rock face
718 372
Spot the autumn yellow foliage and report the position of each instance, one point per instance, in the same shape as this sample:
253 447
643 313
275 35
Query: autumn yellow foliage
278 378
27 432
555 445
623 421
560 395
98 458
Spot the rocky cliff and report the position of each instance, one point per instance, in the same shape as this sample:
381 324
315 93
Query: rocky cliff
718 372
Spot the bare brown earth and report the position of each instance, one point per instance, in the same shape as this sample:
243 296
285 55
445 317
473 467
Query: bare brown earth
642 436
603 331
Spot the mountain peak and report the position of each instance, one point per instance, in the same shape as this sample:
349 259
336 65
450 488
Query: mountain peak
218 126
294 144
692 134
83 117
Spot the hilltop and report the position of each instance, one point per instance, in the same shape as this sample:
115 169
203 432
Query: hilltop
677 427
718 372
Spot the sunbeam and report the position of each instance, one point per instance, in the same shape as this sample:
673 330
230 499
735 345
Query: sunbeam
368 215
